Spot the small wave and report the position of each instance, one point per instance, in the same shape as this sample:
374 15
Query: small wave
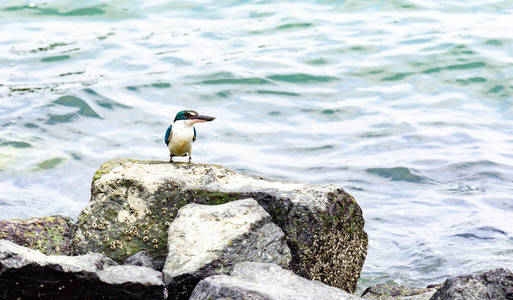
103 101
83 108
55 58
472 164
492 229
466 66
318 62
251 80
50 163
294 26
15 144
311 149
280 93
471 236
86 11
302 78
396 174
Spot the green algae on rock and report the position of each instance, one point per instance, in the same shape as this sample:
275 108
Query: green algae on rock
495 284
49 235
134 202
385 291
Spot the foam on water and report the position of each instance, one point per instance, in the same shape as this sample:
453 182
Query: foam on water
406 104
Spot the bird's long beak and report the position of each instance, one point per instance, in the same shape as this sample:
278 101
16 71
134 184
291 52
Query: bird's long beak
201 118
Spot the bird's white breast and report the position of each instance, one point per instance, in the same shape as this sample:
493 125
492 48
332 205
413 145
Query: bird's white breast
181 138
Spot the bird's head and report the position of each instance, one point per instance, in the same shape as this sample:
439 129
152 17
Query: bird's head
193 116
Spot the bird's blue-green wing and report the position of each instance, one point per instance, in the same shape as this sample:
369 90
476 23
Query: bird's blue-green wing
194 137
168 135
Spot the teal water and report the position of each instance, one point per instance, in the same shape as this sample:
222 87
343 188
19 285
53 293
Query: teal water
406 104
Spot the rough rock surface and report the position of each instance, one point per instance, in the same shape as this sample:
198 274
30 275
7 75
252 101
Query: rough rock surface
144 259
495 284
384 291
49 235
29 274
264 281
132 202
131 282
206 240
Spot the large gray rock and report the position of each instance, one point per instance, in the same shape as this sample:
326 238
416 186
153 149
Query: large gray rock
385 291
29 274
49 235
495 284
133 202
206 240
264 281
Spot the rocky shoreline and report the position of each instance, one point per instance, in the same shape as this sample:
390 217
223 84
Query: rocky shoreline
154 230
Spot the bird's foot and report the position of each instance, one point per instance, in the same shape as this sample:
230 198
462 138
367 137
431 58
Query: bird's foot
190 159
171 159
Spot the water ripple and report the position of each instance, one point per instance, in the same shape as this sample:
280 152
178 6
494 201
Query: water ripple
406 104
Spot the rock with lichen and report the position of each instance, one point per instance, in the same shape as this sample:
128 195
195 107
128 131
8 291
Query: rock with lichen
385 291
49 235
495 284
206 240
133 203
251 280
144 259
29 274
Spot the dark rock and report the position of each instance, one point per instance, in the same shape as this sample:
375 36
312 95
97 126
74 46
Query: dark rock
29 274
264 281
385 291
133 202
495 284
49 235
144 259
206 240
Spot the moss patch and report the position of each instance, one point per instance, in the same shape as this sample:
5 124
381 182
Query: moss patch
49 235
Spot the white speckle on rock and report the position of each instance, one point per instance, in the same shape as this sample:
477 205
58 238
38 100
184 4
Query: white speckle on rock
137 204
124 216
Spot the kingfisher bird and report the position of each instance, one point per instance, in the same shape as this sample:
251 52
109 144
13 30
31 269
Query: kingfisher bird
181 134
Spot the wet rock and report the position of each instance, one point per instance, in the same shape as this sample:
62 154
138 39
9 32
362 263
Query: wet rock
49 235
494 284
385 291
144 259
133 202
206 240
251 280
29 274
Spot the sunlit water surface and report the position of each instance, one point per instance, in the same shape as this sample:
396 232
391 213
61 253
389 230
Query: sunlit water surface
406 104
